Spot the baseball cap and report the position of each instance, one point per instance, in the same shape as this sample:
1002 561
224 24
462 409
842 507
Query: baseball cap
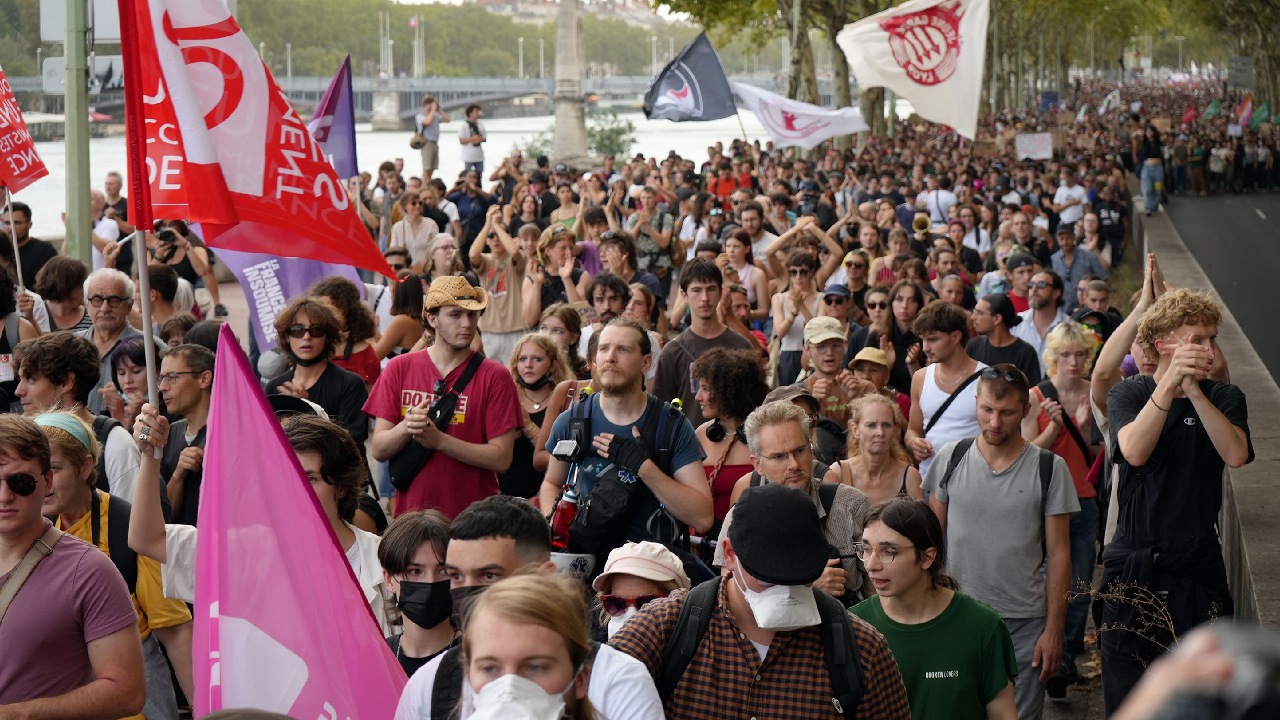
836 288
822 329
684 193
455 290
1017 260
777 535
871 355
791 393
560 169
809 186
648 560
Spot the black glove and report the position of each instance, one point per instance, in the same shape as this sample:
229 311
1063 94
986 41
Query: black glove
627 454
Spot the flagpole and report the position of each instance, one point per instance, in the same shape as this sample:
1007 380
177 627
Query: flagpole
744 127
13 237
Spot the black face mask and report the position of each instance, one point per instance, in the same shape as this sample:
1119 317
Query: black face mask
462 602
541 382
425 604
305 363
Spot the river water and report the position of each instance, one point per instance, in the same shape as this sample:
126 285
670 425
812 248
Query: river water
47 197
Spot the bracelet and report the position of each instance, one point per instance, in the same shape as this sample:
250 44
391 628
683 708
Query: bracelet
1153 402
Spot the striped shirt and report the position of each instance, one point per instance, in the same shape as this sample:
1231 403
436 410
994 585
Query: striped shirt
727 680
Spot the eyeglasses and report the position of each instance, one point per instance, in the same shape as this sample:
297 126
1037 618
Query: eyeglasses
882 305
315 331
834 299
22 484
886 553
111 301
171 377
800 453
616 605
1013 376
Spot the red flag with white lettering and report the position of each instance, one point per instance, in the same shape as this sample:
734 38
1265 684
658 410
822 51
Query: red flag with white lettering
224 147
19 164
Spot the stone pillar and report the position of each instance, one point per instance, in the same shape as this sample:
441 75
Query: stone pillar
570 139
386 110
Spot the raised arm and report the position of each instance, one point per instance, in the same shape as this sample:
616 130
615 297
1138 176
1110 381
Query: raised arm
146 522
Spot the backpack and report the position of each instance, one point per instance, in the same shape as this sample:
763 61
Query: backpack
1046 471
604 513
122 556
102 427
446 690
840 646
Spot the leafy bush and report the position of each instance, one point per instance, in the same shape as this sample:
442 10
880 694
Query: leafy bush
609 135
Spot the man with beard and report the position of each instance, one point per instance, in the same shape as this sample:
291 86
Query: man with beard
608 294
617 450
700 284
477 442
1002 481
1044 313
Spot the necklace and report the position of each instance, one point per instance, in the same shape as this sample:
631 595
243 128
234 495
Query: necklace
537 405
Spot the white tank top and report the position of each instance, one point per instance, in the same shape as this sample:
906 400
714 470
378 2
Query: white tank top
958 422
794 339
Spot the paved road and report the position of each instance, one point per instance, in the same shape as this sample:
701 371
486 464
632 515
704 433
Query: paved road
1236 239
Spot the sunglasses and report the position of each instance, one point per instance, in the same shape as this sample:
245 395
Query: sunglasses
398 266
858 266
23 484
1040 284
297 331
798 272
616 605
1013 377
882 305
834 299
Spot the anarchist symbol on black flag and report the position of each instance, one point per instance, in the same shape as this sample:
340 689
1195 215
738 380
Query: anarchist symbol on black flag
693 86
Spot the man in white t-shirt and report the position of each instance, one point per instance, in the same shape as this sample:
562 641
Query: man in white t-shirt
471 134
752 215
105 230
490 541
1070 199
938 199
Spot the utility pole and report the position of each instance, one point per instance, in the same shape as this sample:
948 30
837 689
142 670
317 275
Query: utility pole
541 59
288 60
520 66
671 48
262 51
1179 38
79 223
653 52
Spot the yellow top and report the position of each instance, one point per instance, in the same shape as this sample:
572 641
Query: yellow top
154 609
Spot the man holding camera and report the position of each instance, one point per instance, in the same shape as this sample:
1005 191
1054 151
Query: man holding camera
605 440
449 401
428 124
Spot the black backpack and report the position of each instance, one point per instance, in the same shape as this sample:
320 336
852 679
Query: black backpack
840 646
102 427
122 556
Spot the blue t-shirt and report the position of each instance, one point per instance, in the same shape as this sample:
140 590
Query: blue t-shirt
644 503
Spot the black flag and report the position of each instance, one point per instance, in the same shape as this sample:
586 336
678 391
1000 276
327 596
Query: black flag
693 86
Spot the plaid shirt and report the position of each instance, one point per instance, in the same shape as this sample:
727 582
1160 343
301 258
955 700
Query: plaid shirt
726 679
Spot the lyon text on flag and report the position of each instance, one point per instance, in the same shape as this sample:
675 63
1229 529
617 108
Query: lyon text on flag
790 122
224 146
281 623
693 86
930 52
334 123
20 165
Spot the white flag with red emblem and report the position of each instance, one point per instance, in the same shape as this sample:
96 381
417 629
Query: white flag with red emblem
224 146
791 122
930 52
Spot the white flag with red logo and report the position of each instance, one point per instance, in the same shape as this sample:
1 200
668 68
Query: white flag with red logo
225 148
930 52
791 122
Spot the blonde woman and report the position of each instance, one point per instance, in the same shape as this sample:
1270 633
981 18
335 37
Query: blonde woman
413 232
878 463
441 258
564 325
537 365
553 276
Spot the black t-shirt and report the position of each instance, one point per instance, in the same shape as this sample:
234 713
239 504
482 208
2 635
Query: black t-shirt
341 393
185 514
1110 218
121 207
441 220
899 375
970 259
33 256
1178 493
549 204
1020 355
411 664
553 290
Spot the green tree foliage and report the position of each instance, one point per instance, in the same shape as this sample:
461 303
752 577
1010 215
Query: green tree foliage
607 134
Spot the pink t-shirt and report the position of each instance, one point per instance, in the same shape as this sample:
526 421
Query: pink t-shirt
73 597
486 409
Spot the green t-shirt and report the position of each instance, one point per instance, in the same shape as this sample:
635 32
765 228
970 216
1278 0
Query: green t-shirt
952 665
1197 158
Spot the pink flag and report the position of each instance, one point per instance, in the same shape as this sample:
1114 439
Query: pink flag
281 623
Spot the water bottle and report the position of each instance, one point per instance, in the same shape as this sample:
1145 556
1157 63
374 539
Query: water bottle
565 513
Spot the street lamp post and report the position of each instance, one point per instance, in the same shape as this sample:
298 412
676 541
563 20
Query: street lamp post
520 69
541 55
1179 38
671 48
653 48
262 51
288 60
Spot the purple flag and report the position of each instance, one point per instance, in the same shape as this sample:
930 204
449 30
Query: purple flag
334 123
281 622
270 282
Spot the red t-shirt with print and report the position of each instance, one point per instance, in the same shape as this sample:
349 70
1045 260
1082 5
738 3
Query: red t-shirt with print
487 408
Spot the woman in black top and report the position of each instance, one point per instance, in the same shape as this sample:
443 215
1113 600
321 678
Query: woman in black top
412 553
307 330
173 248
537 366
1150 152
904 349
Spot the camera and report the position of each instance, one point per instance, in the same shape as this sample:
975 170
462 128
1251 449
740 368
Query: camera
565 451
167 236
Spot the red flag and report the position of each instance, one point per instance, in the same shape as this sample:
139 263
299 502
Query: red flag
224 147
1189 116
19 164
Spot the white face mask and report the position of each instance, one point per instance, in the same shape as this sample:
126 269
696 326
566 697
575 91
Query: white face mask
781 607
616 623
512 697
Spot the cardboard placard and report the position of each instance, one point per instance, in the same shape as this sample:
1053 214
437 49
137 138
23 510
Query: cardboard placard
1235 131
1066 117
1084 142
985 148
1037 146
1162 124
1058 138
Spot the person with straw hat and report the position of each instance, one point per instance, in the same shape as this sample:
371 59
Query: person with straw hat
450 401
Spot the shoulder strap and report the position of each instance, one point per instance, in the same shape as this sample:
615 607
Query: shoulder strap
124 557
1046 477
446 691
840 648
11 329
102 427
40 550
691 626
755 479
957 454
950 399
827 495
1050 392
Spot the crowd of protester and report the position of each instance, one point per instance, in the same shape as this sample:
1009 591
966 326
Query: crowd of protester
759 434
